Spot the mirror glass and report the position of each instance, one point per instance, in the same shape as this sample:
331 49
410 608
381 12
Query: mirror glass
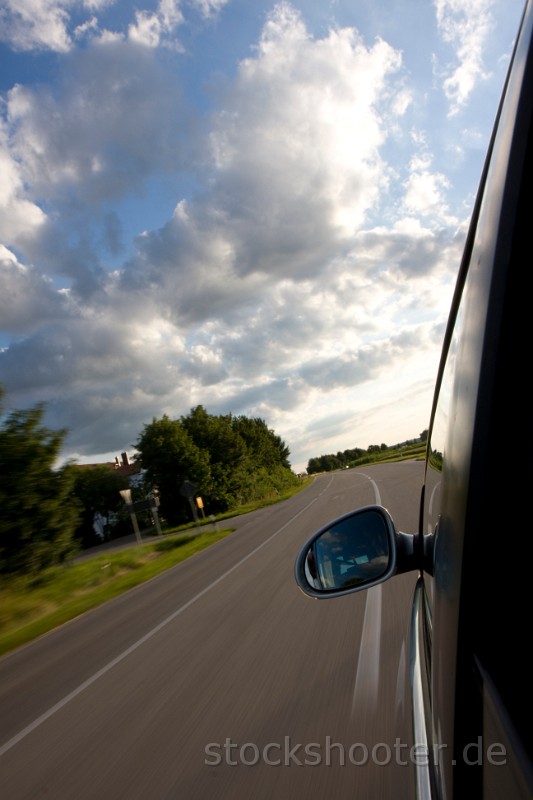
353 551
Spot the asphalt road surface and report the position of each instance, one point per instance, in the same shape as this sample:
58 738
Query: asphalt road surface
220 679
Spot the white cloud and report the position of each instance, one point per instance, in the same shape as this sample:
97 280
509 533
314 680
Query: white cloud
99 132
18 214
297 161
465 25
156 28
301 131
146 30
152 28
48 24
425 193
113 121
27 299
36 24
303 273
208 7
86 28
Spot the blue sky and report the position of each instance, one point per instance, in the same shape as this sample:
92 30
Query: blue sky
255 206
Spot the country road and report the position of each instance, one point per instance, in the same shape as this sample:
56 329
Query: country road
219 679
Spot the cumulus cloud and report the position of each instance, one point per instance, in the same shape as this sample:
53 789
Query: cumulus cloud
18 214
272 288
99 132
297 168
27 298
113 121
300 136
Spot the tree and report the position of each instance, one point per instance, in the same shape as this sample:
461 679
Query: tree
97 490
266 448
227 451
313 466
232 460
170 457
247 459
354 454
326 463
37 514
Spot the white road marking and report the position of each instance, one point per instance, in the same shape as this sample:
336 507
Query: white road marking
93 678
365 693
375 487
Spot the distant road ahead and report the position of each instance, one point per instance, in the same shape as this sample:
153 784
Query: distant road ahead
219 679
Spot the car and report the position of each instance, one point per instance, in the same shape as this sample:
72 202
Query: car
470 629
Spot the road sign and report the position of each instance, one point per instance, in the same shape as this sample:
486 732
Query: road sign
188 489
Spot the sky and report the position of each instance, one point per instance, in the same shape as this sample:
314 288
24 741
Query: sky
252 205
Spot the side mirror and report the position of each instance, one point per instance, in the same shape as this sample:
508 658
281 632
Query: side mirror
354 552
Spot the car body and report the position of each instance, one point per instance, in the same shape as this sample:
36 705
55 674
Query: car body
470 627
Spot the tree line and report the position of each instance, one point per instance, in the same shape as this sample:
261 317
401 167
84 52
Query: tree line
232 460
47 513
357 455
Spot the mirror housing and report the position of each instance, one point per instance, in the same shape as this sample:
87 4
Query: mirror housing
353 552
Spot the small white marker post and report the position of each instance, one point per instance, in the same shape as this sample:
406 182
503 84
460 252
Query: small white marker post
126 496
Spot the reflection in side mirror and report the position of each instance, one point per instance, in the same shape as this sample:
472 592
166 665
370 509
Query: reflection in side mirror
354 552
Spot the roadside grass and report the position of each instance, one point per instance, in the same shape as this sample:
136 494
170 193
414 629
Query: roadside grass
246 508
267 501
390 455
33 605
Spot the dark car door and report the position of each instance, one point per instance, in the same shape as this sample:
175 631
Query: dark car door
471 679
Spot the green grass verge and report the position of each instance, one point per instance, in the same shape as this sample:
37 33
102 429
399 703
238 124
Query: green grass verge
268 501
253 505
30 607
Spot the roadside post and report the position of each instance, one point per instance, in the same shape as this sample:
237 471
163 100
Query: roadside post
126 496
188 490
200 504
